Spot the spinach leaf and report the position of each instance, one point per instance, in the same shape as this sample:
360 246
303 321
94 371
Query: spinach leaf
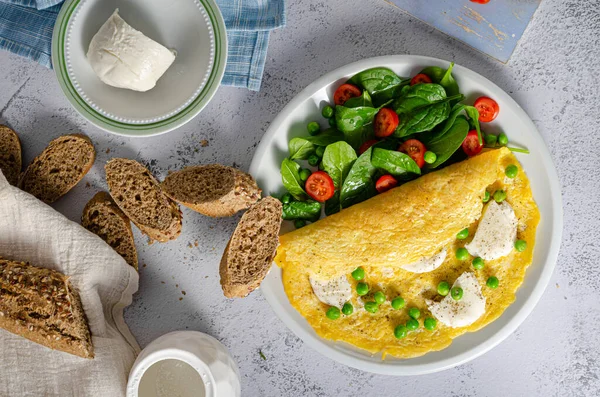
337 161
394 162
327 137
444 78
441 129
309 210
359 136
359 185
351 119
363 100
444 145
473 114
301 148
290 176
382 83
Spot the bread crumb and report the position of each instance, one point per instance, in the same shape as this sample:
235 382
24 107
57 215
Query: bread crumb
87 184
176 285
557 286
180 299
204 143
150 241
183 292
143 265
162 282
190 245
196 243
108 151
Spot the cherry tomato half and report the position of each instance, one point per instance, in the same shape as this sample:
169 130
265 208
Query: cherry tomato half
420 78
385 122
480 1
345 92
319 186
415 149
385 183
365 146
471 145
488 109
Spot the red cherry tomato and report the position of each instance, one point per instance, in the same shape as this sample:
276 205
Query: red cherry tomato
319 186
471 145
415 149
345 92
385 122
385 183
480 1
488 109
420 78
365 146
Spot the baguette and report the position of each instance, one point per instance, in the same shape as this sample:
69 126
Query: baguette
104 218
10 155
249 253
213 190
41 305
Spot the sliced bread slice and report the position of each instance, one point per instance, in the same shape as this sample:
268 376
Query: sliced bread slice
10 155
59 167
249 253
104 218
138 194
214 190
41 305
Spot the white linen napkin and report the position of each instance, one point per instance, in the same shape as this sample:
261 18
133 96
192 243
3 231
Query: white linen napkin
32 231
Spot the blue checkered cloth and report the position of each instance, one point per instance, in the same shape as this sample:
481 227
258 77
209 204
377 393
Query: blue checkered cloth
26 29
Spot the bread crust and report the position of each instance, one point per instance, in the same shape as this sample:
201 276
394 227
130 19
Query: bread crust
11 159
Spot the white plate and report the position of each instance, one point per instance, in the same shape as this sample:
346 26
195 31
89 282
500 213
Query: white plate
538 165
193 28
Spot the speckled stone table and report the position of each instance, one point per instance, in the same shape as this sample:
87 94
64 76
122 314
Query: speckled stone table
553 75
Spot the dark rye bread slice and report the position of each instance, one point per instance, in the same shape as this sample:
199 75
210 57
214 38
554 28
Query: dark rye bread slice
249 253
41 305
10 155
103 217
138 195
214 190
59 167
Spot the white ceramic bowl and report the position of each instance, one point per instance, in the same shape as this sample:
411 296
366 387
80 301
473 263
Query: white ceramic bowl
521 131
193 28
218 371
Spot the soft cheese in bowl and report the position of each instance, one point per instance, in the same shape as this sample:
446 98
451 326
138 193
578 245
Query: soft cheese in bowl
124 57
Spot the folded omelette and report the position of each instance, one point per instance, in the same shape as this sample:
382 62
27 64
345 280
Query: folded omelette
393 231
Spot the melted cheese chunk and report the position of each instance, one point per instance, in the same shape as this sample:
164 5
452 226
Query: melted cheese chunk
332 292
123 57
496 232
465 311
425 265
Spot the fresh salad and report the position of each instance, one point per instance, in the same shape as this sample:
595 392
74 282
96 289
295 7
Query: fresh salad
384 130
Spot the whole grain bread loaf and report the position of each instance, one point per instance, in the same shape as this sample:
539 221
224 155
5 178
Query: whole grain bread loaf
249 253
139 196
10 155
59 167
41 305
214 190
104 218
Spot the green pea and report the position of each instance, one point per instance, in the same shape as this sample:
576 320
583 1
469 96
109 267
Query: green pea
478 263
430 157
320 151
412 324
313 160
333 313
362 289
486 197
502 139
313 128
511 171
304 174
430 323
298 223
499 196
413 312
398 303
490 139
379 297
463 234
327 111
332 122
347 309
456 293
520 245
443 288
371 307
400 331
462 254
358 273
286 198
492 282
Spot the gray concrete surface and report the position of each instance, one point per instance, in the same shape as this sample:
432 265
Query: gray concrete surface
553 74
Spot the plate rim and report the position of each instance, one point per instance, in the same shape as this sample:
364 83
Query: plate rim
319 344
59 37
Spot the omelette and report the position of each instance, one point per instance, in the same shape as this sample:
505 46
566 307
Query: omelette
406 242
